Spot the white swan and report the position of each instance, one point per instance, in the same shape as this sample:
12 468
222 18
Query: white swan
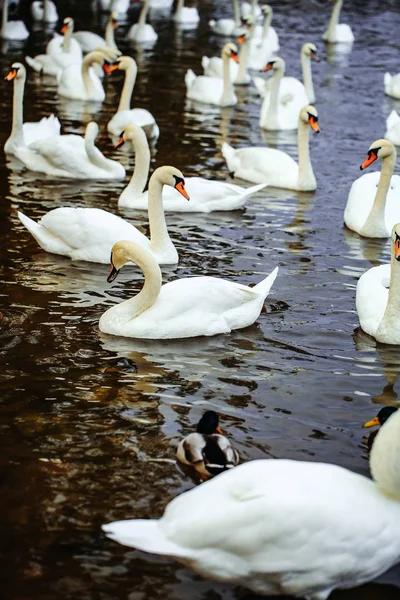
291 85
183 308
377 297
392 85
23 134
186 14
120 6
393 128
142 32
281 111
90 233
214 67
12 30
213 90
90 41
80 82
65 43
284 527
125 114
337 33
373 205
44 10
250 9
228 27
258 164
205 195
70 156
264 42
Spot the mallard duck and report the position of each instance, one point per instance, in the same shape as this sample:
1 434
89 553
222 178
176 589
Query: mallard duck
381 418
208 451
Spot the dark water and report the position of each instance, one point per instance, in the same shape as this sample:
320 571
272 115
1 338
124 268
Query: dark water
82 414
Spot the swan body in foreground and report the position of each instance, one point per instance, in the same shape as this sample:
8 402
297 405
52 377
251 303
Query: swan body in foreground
186 14
208 451
125 114
90 233
70 156
142 32
12 30
337 33
281 112
284 527
377 297
259 164
90 41
23 134
183 308
205 195
44 10
213 90
80 82
393 128
392 85
373 205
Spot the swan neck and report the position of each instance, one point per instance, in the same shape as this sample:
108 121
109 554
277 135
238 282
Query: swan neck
143 14
67 39
334 20
307 77
142 165
228 88
306 173
243 61
179 7
94 154
127 90
85 69
236 13
159 238
4 17
109 35
272 114
266 25
253 10
17 134
376 218
46 10
385 453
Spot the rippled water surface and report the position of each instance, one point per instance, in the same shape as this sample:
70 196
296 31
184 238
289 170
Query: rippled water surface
82 414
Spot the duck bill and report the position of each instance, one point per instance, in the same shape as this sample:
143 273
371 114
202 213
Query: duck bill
181 189
372 423
314 124
369 160
112 274
11 75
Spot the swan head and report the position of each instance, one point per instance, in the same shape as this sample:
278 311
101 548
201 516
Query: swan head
68 23
124 252
396 242
208 423
379 149
385 455
172 177
132 133
383 415
105 57
114 19
310 50
277 64
309 114
17 71
266 9
124 63
230 51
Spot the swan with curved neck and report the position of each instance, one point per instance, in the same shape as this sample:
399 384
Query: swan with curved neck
142 32
213 90
80 82
90 233
44 10
277 112
373 203
243 77
337 33
90 41
125 114
377 306
23 134
12 30
183 308
205 195
259 164
185 14
265 42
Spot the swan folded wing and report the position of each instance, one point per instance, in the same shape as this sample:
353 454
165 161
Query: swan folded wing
63 153
206 89
372 297
46 127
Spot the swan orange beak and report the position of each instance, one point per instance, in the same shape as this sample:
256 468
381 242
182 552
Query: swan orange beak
268 67
108 69
234 56
120 142
373 423
219 430
180 186
242 38
64 28
397 248
372 156
11 75
114 23
315 56
314 123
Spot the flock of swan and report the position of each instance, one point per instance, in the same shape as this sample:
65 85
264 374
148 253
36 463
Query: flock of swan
277 527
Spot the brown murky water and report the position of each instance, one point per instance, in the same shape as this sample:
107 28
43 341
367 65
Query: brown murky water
82 414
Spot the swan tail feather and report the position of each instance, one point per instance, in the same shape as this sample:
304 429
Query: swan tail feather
205 61
229 155
34 64
392 119
46 240
265 285
190 77
254 189
144 535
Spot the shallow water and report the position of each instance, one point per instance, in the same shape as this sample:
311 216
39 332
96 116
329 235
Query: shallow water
82 414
